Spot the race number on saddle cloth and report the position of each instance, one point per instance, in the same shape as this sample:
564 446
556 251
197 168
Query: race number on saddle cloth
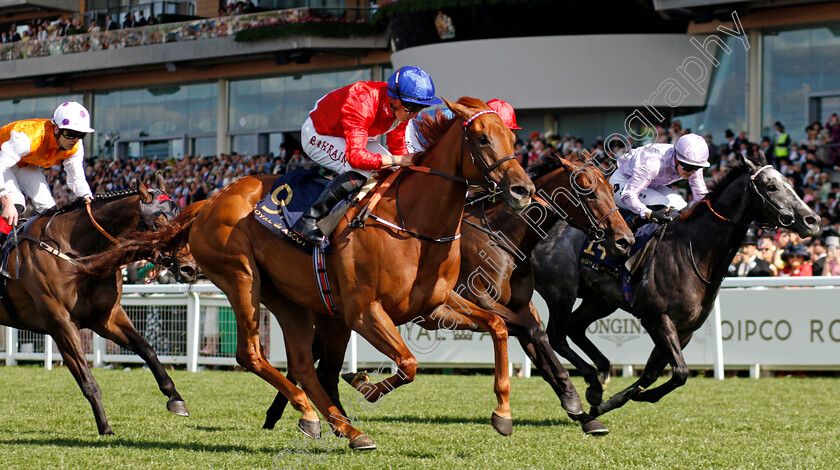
290 196
640 183
594 257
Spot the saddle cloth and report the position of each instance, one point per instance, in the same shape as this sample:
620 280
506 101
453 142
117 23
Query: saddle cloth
593 256
290 196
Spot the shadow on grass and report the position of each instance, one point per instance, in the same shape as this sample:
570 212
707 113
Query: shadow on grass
461 420
110 442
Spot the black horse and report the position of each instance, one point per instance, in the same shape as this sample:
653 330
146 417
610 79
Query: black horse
679 279
42 297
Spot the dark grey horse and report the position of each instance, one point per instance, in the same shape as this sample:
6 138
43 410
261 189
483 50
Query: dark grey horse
676 287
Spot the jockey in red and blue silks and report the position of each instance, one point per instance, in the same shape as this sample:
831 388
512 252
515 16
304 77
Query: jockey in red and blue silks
640 182
339 135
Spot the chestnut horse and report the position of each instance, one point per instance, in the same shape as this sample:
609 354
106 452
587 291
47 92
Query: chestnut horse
380 276
39 297
496 271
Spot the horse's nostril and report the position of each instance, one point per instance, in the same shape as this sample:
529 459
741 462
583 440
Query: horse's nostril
623 243
520 191
811 220
187 272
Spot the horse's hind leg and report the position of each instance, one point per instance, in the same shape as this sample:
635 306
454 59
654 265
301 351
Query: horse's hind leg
69 343
119 329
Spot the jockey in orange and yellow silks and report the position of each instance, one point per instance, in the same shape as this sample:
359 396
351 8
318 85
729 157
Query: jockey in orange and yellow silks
29 144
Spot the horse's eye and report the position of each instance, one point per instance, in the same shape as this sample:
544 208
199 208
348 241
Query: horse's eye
483 140
772 187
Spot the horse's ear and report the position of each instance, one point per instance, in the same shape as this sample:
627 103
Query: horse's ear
160 182
566 164
145 195
761 159
460 110
752 167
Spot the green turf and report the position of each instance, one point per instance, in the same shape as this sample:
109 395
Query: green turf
437 422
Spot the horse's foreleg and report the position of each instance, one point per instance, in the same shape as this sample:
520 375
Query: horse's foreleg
119 329
673 356
591 309
298 334
536 344
653 368
69 343
493 324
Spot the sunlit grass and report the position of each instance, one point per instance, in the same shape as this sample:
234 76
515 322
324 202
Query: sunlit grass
436 422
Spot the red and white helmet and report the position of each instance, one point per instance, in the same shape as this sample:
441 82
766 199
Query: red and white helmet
71 115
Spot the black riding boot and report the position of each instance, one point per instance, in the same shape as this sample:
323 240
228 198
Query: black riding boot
339 188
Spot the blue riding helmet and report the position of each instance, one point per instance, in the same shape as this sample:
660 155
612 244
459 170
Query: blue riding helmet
413 85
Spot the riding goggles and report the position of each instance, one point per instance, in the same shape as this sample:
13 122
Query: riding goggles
687 167
71 134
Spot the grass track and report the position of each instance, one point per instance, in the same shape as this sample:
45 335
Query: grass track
437 422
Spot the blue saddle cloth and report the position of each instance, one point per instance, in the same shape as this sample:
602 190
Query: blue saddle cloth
290 196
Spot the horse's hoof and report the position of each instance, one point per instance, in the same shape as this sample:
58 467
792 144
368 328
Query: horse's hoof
572 405
362 442
503 425
107 432
595 428
355 378
594 396
178 407
310 428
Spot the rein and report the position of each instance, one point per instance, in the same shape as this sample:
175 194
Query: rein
725 219
99 227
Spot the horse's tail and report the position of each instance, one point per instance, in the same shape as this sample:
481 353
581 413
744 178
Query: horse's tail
170 238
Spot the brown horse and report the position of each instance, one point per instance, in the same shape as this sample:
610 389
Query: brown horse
39 298
380 276
496 271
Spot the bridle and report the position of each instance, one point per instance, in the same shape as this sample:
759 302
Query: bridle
594 230
708 203
483 168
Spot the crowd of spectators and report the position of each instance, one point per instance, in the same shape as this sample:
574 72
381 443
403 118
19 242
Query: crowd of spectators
64 36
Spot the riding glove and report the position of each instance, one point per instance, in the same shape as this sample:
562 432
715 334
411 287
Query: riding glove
660 216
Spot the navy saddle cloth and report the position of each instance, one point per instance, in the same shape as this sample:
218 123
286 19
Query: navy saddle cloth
594 257
290 196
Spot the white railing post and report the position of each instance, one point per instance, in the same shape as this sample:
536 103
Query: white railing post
526 365
98 351
193 331
354 353
11 345
48 352
627 370
755 371
718 339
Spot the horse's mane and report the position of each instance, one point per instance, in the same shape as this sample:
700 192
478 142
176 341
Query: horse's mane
727 176
544 166
79 203
432 127
169 238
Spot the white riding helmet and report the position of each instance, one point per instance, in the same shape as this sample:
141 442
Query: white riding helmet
693 150
71 115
